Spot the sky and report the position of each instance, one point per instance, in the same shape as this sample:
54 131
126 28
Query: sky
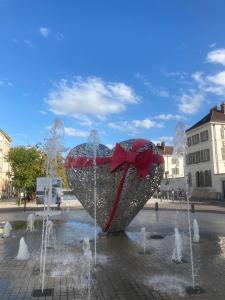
129 69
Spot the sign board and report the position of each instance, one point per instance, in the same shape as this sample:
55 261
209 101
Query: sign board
42 187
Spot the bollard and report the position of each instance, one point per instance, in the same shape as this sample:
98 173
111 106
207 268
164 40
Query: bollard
192 207
156 206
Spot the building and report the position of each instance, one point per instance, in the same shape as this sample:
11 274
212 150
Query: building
205 159
173 178
5 185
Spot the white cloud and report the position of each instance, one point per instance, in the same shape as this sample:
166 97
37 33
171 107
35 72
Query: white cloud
190 104
59 36
175 75
157 91
29 44
42 112
198 77
163 93
120 126
110 146
146 123
167 117
70 131
212 45
167 139
6 83
216 56
84 120
218 79
134 125
214 84
23 135
202 84
44 31
84 98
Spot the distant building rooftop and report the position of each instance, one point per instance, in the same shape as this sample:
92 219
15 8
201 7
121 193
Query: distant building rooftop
166 150
6 135
215 115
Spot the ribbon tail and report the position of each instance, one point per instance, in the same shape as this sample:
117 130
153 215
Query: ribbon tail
116 201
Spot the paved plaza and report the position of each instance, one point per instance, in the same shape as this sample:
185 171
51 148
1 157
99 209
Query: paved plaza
122 271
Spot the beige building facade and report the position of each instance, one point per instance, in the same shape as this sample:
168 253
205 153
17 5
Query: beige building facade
173 178
5 185
205 159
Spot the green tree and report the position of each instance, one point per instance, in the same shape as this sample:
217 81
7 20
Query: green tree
27 163
60 170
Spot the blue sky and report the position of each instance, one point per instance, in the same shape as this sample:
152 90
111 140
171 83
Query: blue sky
126 68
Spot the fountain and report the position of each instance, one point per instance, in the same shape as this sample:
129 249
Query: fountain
93 144
168 284
30 222
7 230
51 239
86 245
53 147
196 236
177 251
87 262
143 239
23 253
180 149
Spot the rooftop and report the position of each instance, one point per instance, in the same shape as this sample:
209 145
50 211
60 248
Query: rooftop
215 115
6 135
166 150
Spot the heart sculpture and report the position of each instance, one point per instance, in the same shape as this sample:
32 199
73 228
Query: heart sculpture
126 178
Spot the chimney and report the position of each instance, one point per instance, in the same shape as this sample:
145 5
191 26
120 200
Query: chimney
214 108
163 145
222 107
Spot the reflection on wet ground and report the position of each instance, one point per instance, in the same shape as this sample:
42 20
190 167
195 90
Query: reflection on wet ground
122 271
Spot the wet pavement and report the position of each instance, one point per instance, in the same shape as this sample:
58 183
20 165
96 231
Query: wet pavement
123 271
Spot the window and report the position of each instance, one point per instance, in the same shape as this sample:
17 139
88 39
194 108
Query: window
197 179
166 174
205 155
223 153
175 171
189 159
204 136
189 141
174 161
222 132
189 179
197 157
201 179
208 178
195 139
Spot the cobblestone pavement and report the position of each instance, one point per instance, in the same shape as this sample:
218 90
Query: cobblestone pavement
122 271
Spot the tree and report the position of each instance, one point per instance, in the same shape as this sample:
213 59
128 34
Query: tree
27 163
60 170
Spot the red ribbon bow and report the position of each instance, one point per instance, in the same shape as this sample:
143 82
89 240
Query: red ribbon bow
141 160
